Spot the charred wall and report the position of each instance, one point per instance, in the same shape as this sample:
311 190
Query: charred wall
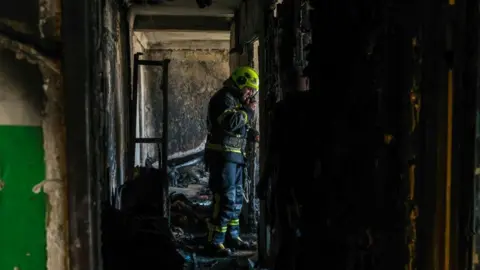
372 73
116 86
405 74
194 75
393 92
17 93
34 22
95 68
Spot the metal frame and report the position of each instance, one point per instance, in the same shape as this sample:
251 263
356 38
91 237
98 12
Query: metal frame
162 143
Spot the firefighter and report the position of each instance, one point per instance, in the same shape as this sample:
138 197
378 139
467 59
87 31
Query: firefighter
230 112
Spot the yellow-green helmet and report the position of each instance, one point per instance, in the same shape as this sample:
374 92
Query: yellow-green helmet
246 77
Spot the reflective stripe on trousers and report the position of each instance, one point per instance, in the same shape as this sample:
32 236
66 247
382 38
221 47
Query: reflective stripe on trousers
226 183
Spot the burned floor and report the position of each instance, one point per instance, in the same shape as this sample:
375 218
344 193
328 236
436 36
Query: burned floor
141 237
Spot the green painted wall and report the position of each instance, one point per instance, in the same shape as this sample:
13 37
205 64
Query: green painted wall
22 166
22 212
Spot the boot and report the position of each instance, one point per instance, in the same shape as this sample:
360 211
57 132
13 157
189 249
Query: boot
215 247
237 244
217 250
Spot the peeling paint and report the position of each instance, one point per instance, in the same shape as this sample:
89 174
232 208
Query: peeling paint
38 187
55 184
43 20
49 12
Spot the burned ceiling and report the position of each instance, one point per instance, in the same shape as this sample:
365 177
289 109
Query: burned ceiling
183 15
198 23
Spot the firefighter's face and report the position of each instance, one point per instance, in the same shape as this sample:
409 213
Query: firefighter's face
246 93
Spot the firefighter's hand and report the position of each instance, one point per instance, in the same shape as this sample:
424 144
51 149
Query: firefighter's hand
251 103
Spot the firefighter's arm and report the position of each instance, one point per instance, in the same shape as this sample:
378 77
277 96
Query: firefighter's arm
234 117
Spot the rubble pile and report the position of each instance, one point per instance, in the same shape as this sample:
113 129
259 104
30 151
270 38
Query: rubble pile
184 176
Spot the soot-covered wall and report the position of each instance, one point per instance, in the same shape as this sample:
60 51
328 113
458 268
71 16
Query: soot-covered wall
194 76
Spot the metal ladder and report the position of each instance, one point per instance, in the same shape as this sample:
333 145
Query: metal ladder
161 143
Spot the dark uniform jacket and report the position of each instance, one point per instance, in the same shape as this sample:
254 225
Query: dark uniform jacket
228 126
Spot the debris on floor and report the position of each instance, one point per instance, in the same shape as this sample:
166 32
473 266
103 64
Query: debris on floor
183 236
187 215
184 176
190 210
